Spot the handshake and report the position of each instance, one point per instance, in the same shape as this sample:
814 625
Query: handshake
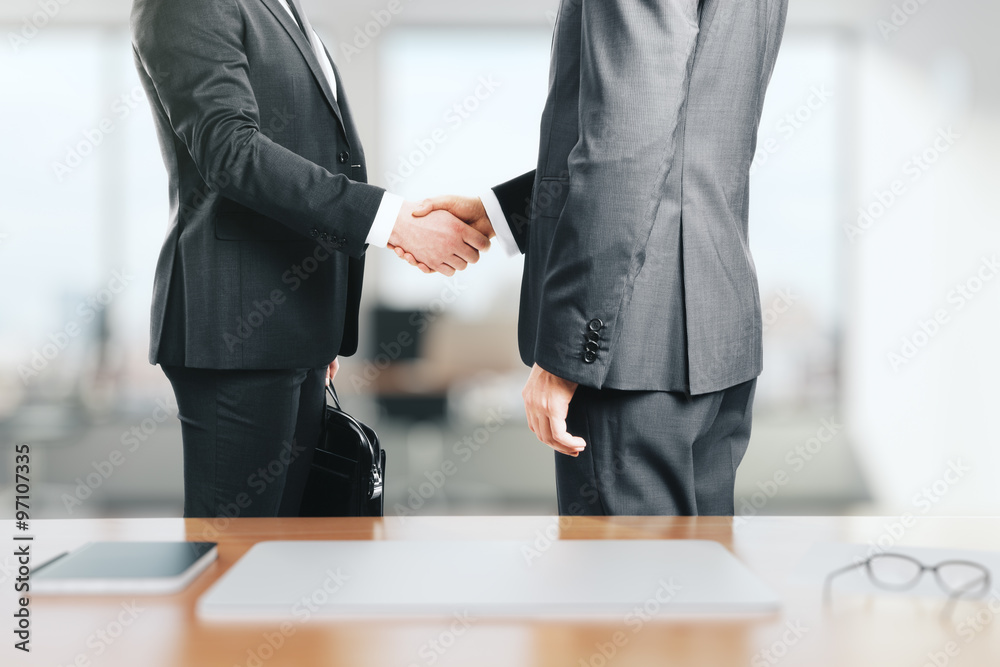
442 235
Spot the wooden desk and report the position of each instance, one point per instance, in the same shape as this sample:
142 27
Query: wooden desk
877 631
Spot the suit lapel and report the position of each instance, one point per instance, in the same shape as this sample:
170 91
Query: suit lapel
305 48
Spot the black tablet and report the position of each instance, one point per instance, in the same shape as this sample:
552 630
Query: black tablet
138 568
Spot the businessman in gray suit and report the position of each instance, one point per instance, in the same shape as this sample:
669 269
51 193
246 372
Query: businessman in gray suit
258 283
640 313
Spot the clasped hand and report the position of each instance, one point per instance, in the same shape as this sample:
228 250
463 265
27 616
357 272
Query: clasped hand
442 235
437 239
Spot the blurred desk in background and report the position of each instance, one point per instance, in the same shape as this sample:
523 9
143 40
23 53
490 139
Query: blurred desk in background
164 632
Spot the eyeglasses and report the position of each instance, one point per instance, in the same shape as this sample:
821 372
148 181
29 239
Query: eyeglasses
896 572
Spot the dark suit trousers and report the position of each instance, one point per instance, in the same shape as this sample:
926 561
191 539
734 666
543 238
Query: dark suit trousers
655 452
249 438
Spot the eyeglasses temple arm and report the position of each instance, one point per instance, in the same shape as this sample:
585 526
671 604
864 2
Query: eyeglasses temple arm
828 584
955 596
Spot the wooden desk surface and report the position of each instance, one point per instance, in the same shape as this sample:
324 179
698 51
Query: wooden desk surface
164 631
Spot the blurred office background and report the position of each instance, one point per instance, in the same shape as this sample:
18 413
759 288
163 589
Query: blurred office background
874 228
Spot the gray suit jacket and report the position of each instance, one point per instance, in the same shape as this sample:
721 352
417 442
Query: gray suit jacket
638 273
262 263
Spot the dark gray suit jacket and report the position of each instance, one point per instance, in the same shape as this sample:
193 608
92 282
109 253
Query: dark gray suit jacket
638 273
269 211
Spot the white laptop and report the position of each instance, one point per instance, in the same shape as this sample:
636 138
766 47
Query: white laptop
572 579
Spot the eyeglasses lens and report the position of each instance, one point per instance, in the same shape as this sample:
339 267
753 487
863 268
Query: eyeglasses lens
962 578
894 572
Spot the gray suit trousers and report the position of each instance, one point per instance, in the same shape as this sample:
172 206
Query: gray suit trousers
655 452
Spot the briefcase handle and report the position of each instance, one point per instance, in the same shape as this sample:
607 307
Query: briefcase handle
330 389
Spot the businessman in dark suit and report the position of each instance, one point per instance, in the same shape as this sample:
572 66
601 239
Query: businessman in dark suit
640 314
258 284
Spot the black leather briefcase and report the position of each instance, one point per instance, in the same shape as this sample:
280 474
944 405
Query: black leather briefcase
348 468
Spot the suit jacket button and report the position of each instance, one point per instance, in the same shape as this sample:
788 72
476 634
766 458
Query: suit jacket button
595 324
589 357
593 336
314 233
592 347
344 157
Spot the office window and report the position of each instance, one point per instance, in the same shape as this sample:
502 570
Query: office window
460 112
90 190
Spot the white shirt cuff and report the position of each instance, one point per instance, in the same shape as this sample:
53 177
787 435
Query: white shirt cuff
385 220
501 227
